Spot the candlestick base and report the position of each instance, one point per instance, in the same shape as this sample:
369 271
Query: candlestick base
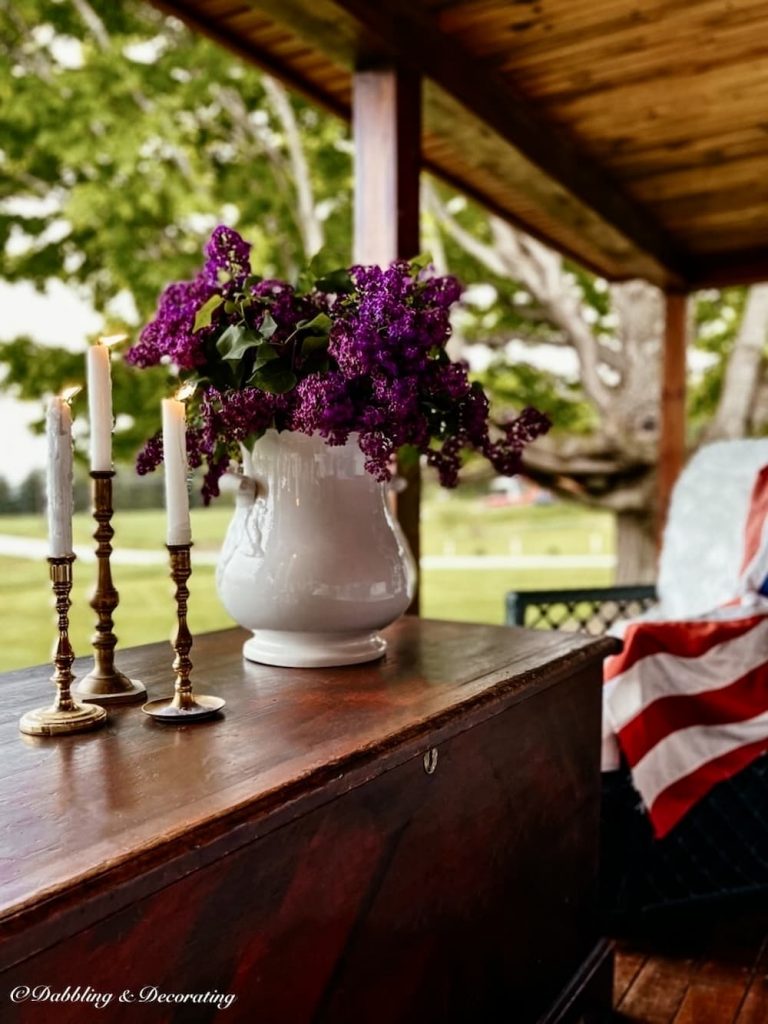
113 688
184 705
54 721
65 715
171 709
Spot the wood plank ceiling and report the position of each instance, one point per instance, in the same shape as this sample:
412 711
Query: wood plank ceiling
630 134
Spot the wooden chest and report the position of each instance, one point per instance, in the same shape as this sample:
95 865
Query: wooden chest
409 841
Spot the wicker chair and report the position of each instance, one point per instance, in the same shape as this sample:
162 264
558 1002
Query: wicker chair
590 610
719 851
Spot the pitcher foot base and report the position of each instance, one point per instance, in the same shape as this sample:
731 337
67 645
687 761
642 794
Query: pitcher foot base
313 650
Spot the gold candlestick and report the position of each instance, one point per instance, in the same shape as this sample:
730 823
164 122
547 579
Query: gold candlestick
105 684
65 715
184 705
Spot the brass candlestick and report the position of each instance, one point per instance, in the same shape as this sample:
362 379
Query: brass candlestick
65 715
184 705
105 684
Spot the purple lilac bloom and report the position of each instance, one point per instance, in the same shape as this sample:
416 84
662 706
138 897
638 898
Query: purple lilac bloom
379 451
171 334
228 258
225 420
285 307
151 455
385 376
324 405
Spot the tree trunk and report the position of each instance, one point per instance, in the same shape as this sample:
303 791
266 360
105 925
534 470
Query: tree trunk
635 547
743 371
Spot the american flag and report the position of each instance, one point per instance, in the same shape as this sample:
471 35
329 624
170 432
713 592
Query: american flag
686 702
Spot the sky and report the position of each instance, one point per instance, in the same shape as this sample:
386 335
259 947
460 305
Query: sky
58 317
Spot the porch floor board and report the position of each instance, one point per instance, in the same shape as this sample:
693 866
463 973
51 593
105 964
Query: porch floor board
705 974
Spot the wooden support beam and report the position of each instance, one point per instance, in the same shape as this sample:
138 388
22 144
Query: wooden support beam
386 125
672 441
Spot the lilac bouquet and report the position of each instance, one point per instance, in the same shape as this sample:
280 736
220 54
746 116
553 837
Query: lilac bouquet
358 351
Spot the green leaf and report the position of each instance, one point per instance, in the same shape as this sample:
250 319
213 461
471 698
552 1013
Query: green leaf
236 341
337 281
408 456
231 337
265 353
276 378
204 315
251 439
438 353
418 263
320 323
268 326
314 343
305 282
316 362
251 280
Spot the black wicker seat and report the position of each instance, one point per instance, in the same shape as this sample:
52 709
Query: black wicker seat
719 850
717 853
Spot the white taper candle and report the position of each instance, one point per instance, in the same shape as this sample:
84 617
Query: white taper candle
100 406
179 530
59 432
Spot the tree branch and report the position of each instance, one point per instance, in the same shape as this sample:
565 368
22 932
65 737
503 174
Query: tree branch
251 139
742 373
310 226
431 226
541 270
30 59
93 23
483 253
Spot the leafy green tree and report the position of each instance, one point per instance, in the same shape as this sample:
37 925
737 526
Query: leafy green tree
30 494
606 405
7 497
125 139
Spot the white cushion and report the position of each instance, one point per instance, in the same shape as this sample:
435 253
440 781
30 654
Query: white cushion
703 541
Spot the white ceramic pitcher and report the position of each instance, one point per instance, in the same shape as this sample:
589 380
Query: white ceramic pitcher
314 561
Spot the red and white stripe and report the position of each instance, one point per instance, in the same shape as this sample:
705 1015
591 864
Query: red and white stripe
754 569
687 702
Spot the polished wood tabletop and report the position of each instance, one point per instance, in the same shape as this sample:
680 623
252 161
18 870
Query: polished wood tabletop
96 809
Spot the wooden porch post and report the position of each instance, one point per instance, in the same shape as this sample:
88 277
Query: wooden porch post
672 440
386 124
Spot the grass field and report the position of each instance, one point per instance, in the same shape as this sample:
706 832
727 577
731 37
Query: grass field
458 524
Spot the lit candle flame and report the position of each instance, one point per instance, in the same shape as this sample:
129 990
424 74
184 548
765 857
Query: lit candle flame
69 393
108 340
185 391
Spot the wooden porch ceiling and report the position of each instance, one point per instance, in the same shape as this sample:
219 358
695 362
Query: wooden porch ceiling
630 134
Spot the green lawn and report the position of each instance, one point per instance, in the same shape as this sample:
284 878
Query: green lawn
458 525
141 528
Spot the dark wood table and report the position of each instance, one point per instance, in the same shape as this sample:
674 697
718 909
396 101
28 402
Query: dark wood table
411 840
